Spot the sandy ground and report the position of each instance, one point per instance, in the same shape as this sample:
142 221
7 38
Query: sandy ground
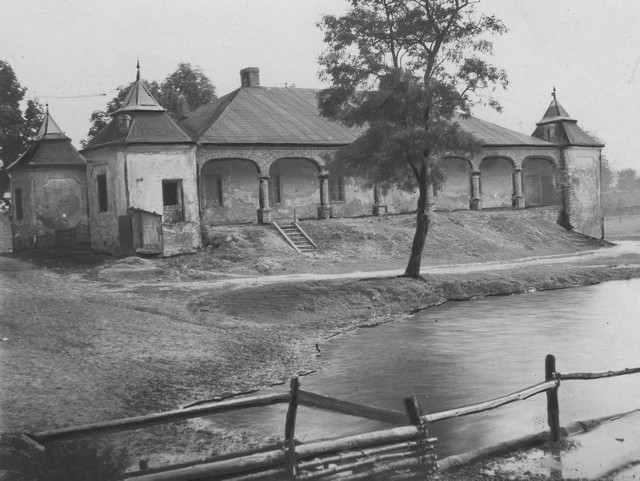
116 338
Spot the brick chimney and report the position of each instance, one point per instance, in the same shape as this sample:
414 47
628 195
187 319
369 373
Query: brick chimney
250 77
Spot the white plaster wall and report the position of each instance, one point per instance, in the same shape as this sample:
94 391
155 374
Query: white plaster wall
104 225
584 181
146 169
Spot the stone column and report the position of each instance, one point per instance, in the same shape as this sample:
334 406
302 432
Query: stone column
476 199
324 209
379 207
264 212
518 197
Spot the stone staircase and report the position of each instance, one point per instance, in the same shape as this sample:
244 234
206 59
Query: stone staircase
296 237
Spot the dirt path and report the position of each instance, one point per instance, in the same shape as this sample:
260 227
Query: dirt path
627 252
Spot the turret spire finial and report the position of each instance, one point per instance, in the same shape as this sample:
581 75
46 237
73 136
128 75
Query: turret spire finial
553 94
138 67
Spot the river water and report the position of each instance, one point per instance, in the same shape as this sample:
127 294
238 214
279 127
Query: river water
472 351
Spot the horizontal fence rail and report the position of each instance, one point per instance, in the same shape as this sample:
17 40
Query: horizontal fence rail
160 418
493 404
597 375
403 452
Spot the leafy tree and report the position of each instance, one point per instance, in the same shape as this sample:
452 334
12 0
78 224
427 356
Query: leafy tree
184 90
628 180
607 175
100 118
401 70
190 84
16 128
33 116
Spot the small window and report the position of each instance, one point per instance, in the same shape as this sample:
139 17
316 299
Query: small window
275 189
103 196
172 201
336 188
213 190
17 204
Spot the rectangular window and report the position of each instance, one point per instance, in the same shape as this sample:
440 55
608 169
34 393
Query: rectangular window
103 196
212 190
275 189
336 188
172 201
17 204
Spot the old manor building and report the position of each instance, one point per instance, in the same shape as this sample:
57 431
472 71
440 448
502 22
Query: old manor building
145 184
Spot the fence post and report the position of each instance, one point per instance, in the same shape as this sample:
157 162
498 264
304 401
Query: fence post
290 427
414 413
553 409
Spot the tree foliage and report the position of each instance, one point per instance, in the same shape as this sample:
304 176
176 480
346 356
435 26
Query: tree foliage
628 180
17 128
607 175
402 70
181 92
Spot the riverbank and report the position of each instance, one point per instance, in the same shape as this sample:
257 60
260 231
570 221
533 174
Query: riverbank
134 336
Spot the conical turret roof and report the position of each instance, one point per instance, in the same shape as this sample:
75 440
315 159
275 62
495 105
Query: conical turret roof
139 98
568 133
49 129
50 148
148 123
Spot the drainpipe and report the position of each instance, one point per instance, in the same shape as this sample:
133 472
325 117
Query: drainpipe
600 197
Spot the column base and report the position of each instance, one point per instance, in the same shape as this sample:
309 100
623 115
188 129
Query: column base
379 209
324 212
518 202
264 216
475 204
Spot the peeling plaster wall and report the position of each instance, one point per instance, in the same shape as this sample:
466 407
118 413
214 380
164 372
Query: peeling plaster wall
23 230
146 167
104 225
496 182
299 186
585 209
456 192
539 182
358 199
54 207
240 192
400 201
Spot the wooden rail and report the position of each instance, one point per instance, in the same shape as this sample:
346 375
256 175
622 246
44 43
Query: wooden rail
597 375
160 418
493 404
406 449
327 403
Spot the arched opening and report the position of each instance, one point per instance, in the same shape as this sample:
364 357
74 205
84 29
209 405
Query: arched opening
229 191
539 182
456 191
496 182
294 185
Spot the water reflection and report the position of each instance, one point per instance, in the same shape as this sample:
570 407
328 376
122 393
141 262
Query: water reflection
467 352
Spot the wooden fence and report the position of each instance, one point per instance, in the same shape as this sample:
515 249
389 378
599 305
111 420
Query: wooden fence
403 452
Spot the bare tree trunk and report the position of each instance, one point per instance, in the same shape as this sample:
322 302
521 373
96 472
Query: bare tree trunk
423 222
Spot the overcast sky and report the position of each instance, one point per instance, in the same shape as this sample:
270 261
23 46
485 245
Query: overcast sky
588 49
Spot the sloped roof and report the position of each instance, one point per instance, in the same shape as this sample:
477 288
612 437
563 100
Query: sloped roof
579 137
139 98
555 113
490 134
146 127
574 135
49 148
266 115
49 128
